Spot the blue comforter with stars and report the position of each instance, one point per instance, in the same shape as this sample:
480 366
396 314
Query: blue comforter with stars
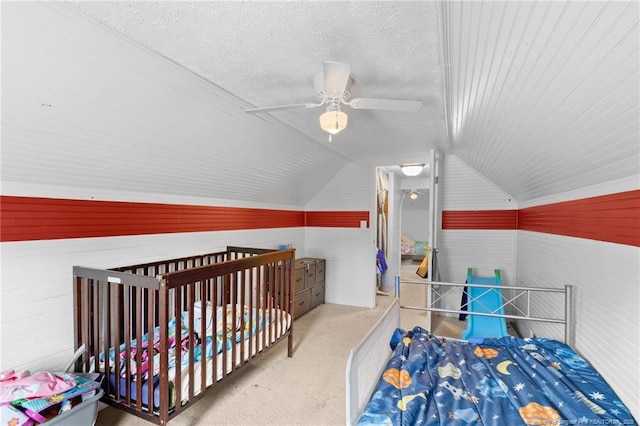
500 381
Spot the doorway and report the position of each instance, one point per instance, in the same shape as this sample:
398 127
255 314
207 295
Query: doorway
407 220
382 230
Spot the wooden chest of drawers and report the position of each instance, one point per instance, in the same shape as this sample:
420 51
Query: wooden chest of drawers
309 288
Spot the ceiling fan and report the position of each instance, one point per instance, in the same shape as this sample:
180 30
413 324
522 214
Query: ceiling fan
413 194
332 89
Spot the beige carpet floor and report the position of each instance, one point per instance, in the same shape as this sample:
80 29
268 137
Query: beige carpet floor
307 389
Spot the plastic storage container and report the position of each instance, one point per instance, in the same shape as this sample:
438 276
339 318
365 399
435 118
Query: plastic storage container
83 414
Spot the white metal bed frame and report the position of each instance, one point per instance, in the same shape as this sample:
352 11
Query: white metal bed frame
367 360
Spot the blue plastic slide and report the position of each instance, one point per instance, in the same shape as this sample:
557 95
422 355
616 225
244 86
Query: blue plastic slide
481 299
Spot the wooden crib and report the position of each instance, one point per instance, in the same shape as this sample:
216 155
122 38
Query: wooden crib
150 328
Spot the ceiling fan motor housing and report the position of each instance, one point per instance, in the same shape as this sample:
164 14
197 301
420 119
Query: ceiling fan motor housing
318 85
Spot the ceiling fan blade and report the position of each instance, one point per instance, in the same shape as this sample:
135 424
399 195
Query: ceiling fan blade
336 77
385 104
280 107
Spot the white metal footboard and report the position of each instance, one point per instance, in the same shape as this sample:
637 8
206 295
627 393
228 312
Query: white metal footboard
519 302
367 360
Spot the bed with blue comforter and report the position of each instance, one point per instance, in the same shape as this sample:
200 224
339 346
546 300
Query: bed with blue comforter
500 381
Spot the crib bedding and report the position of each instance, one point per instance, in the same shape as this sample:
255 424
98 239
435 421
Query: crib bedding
227 333
432 381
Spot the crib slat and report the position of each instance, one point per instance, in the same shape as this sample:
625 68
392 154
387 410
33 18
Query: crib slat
94 305
291 280
223 337
277 294
265 294
151 316
243 323
106 338
233 280
177 347
192 341
138 338
164 349
247 291
127 338
79 315
214 298
116 337
203 319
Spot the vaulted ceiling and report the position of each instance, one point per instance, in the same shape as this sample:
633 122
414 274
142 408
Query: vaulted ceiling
268 53
539 97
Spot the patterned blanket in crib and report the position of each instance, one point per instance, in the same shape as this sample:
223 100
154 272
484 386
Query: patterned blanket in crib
227 333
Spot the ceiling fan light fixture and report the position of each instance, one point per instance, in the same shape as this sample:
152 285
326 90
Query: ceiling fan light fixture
411 169
333 121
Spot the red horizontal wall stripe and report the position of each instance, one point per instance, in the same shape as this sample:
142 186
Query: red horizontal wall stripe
26 218
31 218
613 218
480 219
336 219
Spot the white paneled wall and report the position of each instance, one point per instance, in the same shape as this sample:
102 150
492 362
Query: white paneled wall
606 281
463 188
350 269
350 253
352 188
484 250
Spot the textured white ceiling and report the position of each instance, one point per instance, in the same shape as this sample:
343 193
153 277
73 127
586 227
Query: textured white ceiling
268 52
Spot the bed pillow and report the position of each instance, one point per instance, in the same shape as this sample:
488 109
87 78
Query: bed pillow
407 241
224 317
197 315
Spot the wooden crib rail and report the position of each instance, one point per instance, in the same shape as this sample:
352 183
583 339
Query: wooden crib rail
114 276
117 307
227 267
236 252
165 266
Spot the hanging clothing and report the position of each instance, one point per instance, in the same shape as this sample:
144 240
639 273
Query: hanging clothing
382 264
